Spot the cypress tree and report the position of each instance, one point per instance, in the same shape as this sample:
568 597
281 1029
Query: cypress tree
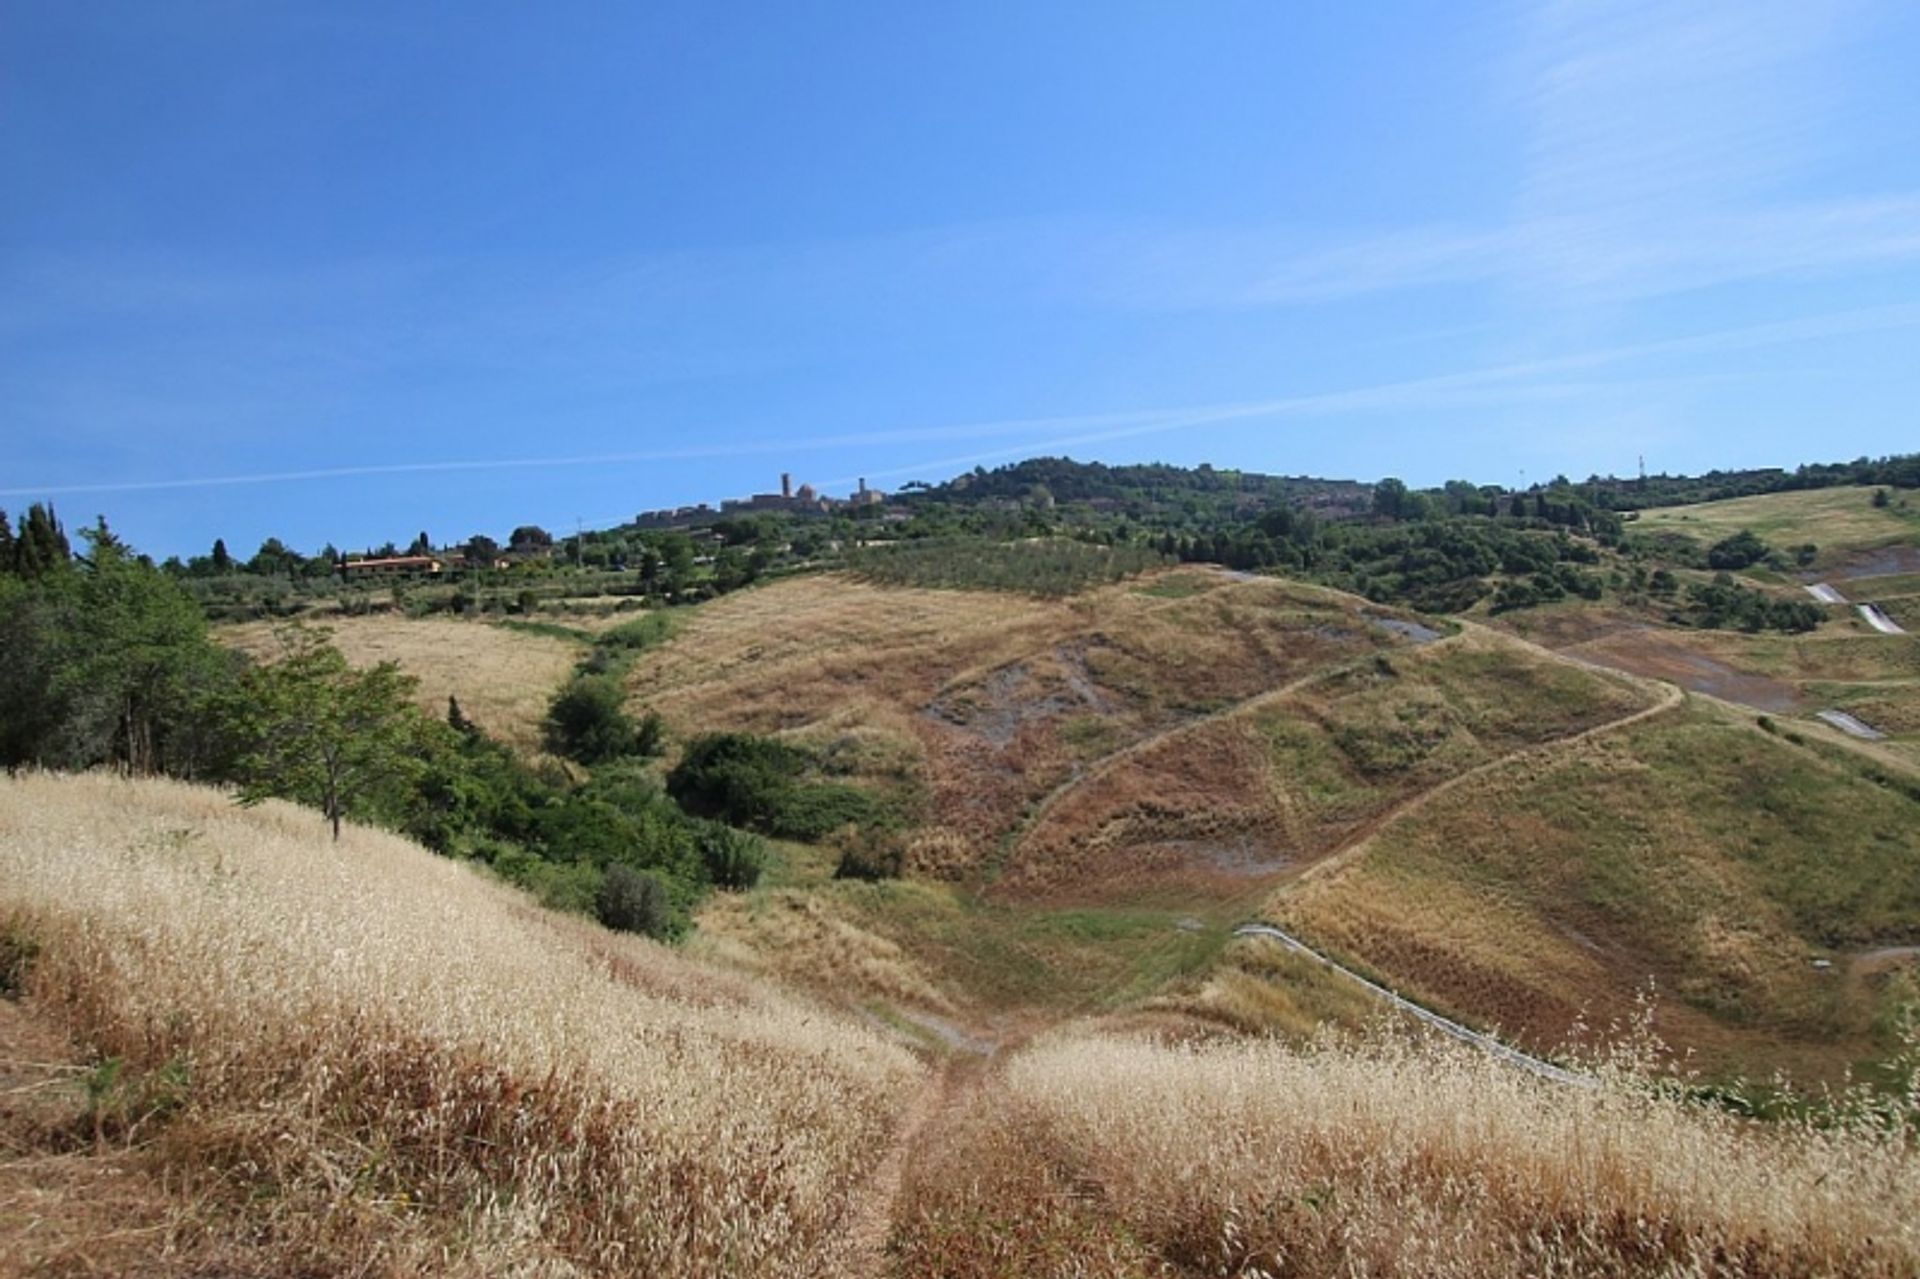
222 562
42 545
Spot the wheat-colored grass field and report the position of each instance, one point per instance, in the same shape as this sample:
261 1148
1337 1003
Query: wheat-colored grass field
1116 1156
504 678
373 1060
1837 520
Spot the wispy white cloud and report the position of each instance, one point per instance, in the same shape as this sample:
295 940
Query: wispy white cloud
1662 147
1516 382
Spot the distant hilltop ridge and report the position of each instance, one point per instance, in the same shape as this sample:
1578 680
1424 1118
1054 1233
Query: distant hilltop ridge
804 500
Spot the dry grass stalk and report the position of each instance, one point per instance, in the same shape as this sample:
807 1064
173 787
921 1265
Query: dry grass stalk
395 1065
1118 1156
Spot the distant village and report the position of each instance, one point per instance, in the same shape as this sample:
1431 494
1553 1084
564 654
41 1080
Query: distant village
421 561
804 500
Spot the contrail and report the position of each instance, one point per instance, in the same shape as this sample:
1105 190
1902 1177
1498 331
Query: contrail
741 449
1095 427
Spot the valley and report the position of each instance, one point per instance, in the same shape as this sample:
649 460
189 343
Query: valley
1197 828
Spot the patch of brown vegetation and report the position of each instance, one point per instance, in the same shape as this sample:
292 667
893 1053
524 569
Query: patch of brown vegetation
1292 774
1667 655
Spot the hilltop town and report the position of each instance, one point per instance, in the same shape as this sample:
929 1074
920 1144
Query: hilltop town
805 500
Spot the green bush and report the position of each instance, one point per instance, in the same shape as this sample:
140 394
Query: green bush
766 785
635 901
587 720
1742 550
733 858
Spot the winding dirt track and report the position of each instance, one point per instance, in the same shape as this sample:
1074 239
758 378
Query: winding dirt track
1671 696
1126 754
1486 1043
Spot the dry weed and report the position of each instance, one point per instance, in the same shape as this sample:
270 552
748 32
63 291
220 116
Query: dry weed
392 1064
1115 1156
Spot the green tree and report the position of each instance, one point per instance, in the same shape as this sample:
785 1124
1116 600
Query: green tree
41 547
108 663
222 562
587 720
317 731
529 539
273 558
1389 498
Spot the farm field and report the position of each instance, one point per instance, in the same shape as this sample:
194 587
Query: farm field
504 676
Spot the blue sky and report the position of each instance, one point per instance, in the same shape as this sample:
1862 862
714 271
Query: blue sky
345 271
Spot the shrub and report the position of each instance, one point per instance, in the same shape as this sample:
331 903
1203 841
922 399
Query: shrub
1742 550
651 740
634 901
586 721
733 858
869 855
762 784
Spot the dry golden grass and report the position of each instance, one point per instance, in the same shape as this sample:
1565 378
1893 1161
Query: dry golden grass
384 1063
985 701
503 678
1834 519
799 938
1112 1156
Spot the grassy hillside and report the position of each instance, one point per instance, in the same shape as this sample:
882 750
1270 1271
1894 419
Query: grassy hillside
1087 793
1134 1158
985 702
1840 521
1691 855
1283 779
230 1047
504 676
365 1058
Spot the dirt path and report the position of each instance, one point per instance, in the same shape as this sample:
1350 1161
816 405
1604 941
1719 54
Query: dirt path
1671 697
861 1249
1107 764
1486 1043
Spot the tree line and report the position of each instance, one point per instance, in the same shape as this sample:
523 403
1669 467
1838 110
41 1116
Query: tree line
108 663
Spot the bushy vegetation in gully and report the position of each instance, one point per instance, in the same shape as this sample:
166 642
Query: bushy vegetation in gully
386 1063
